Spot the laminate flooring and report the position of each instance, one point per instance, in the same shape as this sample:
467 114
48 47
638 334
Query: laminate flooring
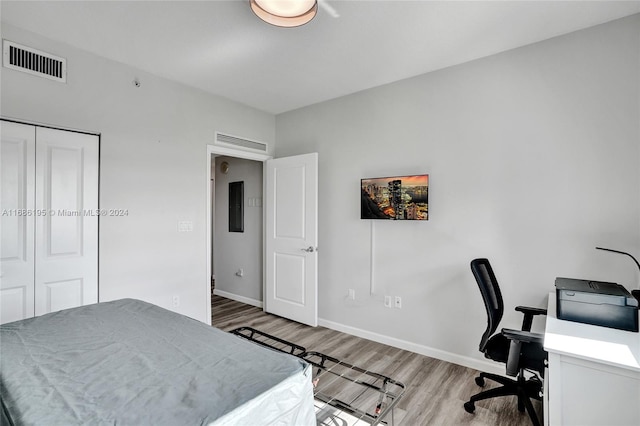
435 390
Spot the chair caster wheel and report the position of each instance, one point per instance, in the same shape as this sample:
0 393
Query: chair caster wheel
480 381
470 407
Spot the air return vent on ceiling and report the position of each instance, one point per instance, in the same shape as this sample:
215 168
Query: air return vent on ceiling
33 61
245 144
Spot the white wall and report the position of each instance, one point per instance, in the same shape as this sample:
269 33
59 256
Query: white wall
534 159
153 162
239 250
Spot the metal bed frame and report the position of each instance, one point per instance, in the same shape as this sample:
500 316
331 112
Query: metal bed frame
344 394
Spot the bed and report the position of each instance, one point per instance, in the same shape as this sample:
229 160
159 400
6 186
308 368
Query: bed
128 362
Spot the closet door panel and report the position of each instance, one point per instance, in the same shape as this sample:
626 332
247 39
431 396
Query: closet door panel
17 170
66 238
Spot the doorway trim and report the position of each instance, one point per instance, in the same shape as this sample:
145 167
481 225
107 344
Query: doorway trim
229 152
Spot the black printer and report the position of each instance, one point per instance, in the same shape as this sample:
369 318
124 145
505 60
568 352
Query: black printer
596 302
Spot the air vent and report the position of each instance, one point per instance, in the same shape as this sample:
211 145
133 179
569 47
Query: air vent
33 61
245 144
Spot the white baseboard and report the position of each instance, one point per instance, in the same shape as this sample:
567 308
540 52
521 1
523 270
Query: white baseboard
237 298
476 364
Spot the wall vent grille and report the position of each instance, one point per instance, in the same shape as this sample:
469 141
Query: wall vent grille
236 142
33 61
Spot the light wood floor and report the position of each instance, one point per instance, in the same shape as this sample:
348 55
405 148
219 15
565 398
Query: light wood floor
435 390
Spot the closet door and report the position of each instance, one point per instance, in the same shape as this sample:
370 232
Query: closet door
17 170
66 256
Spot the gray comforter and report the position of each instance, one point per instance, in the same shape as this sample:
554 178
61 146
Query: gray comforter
129 362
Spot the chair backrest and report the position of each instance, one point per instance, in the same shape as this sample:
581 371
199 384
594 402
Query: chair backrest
491 295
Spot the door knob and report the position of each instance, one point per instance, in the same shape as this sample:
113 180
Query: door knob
310 249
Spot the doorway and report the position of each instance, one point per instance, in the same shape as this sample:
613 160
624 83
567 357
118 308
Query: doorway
235 259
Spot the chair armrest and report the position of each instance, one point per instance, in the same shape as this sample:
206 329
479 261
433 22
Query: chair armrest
517 338
529 310
523 336
529 313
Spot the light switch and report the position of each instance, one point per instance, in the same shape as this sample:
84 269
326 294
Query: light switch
185 226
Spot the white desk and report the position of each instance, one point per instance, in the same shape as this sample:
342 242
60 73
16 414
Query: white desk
593 376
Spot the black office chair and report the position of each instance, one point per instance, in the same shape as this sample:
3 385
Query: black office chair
520 350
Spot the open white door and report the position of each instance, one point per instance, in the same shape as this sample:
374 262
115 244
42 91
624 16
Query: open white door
291 238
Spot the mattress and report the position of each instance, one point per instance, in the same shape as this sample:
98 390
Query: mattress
129 362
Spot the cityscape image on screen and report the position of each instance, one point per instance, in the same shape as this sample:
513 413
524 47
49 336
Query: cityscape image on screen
395 198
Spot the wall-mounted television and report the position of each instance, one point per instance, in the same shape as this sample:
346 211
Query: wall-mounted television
395 198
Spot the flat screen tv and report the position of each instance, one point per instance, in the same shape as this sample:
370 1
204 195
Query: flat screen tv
395 198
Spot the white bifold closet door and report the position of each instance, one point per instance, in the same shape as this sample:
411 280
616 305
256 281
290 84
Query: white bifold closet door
50 254
66 239
17 198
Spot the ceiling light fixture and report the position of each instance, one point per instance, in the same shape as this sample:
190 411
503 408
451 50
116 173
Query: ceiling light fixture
285 13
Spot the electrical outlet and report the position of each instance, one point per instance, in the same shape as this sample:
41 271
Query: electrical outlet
398 302
352 294
175 301
387 301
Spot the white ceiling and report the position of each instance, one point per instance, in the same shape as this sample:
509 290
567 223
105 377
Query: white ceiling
222 48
